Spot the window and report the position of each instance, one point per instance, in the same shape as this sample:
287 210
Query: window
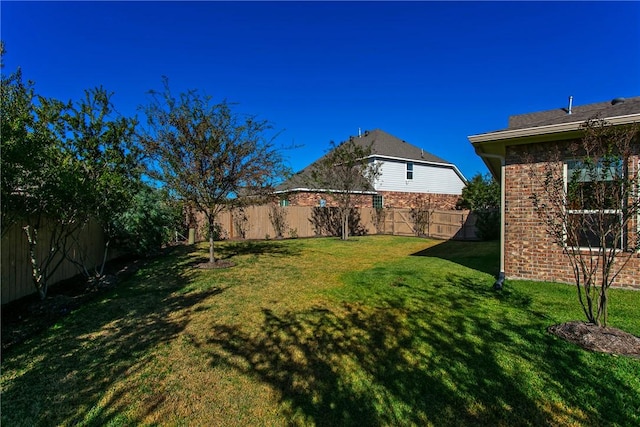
594 203
378 201
409 170
284 202
323 203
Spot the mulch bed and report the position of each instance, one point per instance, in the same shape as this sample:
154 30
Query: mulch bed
219 263
602 339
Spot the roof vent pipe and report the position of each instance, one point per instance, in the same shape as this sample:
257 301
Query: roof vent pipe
570 105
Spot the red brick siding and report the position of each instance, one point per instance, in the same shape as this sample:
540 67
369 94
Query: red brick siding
529 252
390 199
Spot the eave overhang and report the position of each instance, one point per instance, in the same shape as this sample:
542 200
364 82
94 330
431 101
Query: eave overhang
491 146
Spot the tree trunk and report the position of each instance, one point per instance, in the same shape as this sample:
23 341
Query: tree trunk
345 224
212 258
38 278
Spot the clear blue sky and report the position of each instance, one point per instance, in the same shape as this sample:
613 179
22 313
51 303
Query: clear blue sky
429 73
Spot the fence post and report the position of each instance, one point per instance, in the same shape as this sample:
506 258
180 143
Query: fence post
192 236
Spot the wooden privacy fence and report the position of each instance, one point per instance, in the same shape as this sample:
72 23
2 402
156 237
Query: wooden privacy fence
255 223
16 267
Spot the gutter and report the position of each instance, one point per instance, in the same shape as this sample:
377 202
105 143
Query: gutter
548 129
322 190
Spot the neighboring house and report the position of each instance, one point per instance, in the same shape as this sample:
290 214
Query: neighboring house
527 251
408 175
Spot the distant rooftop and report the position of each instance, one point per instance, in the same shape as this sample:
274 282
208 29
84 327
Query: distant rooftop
382 145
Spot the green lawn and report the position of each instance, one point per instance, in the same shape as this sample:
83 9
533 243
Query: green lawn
377 330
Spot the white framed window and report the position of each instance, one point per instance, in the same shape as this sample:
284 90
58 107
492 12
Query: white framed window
594 210
409 170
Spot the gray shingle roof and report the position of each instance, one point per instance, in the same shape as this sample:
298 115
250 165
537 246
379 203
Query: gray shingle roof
578 113
383 145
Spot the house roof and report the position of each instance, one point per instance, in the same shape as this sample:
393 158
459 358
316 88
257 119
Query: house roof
613 108
383 145
550 125
387 145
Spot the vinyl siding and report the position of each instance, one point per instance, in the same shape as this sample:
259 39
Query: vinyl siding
426 179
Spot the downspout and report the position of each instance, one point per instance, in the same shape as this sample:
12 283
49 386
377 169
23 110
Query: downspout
499 283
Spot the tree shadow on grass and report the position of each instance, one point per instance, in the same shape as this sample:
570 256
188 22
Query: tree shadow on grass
65 372
229 250
402 363
258 247
481 256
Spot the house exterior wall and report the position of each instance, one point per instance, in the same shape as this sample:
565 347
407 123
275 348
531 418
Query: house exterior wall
530 253
426 178
391 199
303 198
395 199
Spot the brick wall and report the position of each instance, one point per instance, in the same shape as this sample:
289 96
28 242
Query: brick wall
530 252
409 200
313 199
390 199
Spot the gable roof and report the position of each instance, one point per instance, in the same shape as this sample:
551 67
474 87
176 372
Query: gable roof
550 125
387 145
613 108
383 145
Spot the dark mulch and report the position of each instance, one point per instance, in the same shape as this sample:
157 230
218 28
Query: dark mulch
28 316
219 263
602 339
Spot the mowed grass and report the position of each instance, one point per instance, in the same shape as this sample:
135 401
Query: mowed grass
377 330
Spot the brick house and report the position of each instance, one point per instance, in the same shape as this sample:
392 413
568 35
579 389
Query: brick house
408 174
527 251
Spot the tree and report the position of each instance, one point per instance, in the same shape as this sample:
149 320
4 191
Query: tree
62 163
344 170
21 153
100 143
208 155
481 196
589 202
38 180
148 222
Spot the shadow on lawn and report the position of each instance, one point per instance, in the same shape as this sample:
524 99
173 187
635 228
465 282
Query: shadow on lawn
404 363
74 364
481 256
254 247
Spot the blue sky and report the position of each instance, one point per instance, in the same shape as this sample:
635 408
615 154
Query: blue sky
430 73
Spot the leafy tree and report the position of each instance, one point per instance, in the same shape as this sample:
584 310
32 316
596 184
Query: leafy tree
343 171
38 180
62 163
21 152
148 222
481 196
100 144
588 199
208 155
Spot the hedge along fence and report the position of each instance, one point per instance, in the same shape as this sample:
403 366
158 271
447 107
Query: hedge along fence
15 261
256 222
